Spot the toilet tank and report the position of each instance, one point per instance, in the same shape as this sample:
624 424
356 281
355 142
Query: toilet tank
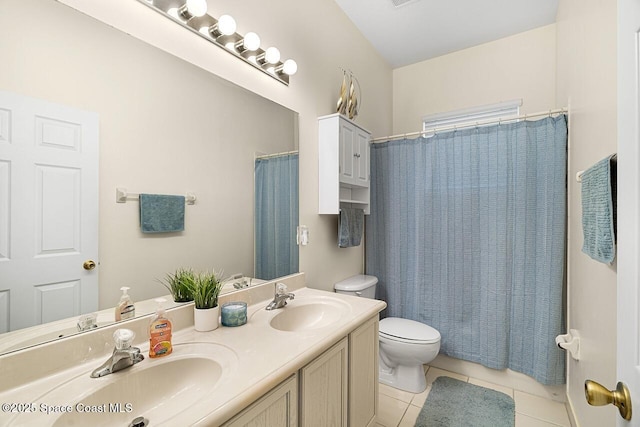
360 285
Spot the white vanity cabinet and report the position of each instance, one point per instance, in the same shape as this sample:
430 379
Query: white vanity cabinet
324 387
340 387
343 164
337 388
363 374
277 408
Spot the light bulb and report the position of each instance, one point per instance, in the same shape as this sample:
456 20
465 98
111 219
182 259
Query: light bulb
272 55
251 41
226 25
191 9
196 8
289 67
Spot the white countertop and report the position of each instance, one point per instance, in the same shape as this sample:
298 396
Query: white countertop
264 357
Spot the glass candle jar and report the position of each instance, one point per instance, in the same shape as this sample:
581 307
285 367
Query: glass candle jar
234 313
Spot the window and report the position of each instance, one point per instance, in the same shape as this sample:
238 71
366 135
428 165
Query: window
471 116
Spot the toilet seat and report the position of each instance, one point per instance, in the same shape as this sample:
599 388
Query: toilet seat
408 331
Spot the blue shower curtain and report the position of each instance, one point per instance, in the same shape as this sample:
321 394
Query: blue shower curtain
276 216
467 234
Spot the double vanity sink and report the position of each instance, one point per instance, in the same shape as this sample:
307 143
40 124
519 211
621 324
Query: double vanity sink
209 377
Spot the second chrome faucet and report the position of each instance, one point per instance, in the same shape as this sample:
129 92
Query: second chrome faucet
280 298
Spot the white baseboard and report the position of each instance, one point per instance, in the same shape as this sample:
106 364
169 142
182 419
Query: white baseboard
506 378
572 415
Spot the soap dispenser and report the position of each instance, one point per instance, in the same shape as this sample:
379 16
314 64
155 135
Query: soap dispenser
125 308
160 332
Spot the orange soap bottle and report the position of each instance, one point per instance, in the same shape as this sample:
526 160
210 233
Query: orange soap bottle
160 332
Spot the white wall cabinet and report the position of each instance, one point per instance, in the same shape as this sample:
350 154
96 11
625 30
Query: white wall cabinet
324 387
277 408
343 168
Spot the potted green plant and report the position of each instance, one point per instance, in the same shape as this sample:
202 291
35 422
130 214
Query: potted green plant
180 284
205 289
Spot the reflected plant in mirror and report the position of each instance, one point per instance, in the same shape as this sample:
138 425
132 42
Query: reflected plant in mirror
153 137
180 284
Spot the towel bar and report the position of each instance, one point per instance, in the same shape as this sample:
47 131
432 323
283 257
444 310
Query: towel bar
122 195
579 173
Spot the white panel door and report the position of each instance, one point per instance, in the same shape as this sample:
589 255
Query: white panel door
628 351
48 211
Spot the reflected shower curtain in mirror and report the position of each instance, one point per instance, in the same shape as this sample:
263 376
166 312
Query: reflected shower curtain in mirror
467 234
276 216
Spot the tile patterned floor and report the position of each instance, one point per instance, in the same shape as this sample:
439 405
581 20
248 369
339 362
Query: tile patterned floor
400 408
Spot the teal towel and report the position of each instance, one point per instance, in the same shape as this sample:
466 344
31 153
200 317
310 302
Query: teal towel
598 212
350 227
161 214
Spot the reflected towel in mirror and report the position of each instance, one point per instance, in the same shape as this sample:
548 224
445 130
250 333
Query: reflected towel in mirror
161 213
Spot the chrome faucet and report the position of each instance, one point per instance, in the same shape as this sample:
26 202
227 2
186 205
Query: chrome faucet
123 354
280 298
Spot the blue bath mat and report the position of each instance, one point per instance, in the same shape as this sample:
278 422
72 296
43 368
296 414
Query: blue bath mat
453 403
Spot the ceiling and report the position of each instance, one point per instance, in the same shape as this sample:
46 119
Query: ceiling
423 29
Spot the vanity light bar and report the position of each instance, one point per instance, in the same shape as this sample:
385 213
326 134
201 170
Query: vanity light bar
209 28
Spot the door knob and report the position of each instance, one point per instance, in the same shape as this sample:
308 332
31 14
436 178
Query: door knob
89 264
598 395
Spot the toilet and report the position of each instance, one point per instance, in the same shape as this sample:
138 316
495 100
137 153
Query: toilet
405 345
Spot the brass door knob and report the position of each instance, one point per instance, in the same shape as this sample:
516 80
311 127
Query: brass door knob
89 264
598 395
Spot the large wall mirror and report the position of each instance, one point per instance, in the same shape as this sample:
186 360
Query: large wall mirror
165 127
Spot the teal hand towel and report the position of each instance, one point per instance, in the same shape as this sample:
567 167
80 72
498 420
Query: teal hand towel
598 212
350 227
161 213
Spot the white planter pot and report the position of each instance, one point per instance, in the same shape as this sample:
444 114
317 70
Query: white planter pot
206 319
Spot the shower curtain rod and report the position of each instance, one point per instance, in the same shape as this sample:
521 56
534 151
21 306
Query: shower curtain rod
286 153
470 125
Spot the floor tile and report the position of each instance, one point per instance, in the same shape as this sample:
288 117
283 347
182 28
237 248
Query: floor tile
527 421
434 373
405 396
531 411
390 411
419 399
410 416
542 409
506 390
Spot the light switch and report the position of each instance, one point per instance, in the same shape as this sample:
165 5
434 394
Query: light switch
303 235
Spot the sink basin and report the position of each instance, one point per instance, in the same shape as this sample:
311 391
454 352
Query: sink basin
161 390
313 314
157 389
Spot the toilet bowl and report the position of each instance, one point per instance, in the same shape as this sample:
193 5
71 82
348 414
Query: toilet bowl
405 345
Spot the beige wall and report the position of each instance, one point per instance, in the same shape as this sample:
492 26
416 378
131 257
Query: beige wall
586 32
301 31
522 66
